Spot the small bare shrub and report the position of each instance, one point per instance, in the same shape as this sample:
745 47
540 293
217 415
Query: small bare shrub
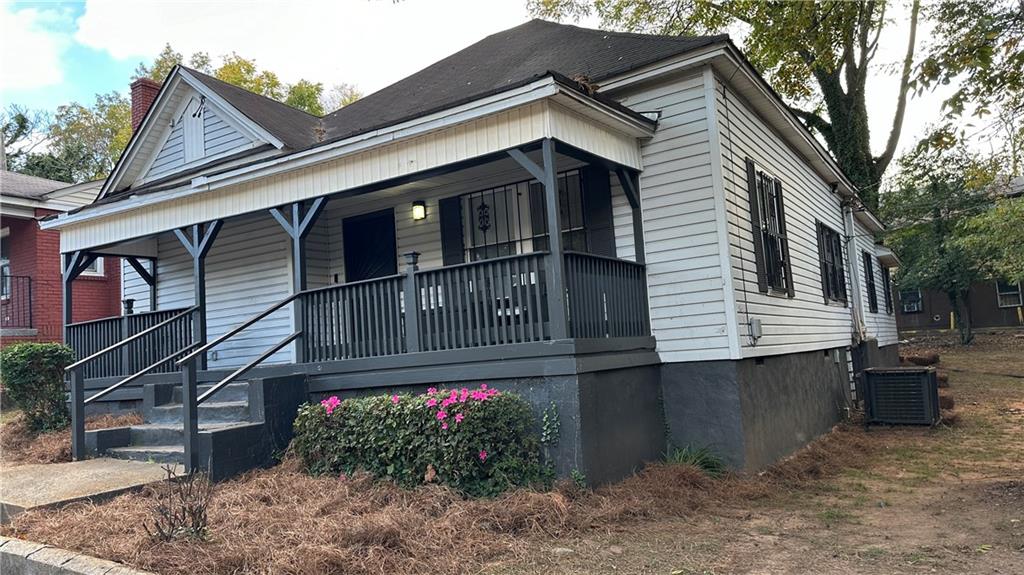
180 509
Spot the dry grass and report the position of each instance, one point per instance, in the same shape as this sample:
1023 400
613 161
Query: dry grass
283 521
20 445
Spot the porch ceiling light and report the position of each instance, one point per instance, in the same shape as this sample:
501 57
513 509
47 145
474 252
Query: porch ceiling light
419 210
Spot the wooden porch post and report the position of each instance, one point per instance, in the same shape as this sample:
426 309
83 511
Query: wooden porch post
74 264
554 266
298 226
412 306
198 246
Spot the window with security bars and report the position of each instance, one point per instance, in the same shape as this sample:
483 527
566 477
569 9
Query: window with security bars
512 219
771 244
1008 294
887 289
869 281
910 300
830 256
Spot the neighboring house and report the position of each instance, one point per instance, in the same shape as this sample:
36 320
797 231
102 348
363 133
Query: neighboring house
715 276
30 269
992 304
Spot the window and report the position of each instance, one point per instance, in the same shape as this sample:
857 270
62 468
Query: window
95 268
5 263
830 256
910 300
887 288
1008 295
869 281
771 245
512 219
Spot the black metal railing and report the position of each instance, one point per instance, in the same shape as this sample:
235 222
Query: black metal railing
606 297
89 337
360 319
16 302
489 302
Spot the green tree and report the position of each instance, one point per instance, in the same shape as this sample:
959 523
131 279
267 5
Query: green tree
817 55
22 130
245 74
998 234
167 60
95 135
933 198
339 96
306 96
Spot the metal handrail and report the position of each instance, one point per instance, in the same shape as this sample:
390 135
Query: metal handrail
119 317
139 373
239 328
128 340
234 375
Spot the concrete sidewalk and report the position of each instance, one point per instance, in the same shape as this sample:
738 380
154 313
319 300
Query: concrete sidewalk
28 487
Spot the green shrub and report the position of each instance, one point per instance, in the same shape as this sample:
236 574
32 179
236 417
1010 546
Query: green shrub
33 379
477 441
702 458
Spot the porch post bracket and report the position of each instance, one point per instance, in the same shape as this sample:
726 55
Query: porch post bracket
411 301
630 187
141 270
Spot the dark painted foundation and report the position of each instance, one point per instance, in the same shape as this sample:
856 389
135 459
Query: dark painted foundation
754 411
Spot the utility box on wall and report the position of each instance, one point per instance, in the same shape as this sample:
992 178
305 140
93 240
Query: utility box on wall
901 396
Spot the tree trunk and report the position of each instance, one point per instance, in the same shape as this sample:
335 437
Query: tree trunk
959 301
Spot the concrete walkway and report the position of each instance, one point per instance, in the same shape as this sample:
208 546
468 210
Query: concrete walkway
28 487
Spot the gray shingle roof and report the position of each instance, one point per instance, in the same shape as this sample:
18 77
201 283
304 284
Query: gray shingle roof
30 187
499 62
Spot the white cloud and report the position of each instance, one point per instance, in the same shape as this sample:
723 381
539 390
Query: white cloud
368 43
31 47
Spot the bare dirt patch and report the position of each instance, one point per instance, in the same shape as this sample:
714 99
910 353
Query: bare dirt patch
887 500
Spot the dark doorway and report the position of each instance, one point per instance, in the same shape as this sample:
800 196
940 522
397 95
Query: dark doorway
370 248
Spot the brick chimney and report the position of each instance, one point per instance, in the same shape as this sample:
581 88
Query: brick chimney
144 92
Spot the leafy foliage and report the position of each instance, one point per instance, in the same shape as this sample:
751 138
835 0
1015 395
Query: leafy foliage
477 441
33 379
818 55
934 196
700 457
998 234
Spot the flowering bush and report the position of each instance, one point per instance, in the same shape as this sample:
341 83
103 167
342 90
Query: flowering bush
479 441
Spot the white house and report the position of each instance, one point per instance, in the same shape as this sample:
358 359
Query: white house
709 276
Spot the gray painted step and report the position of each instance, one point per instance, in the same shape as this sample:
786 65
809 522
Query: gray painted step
230 392
209 412
152 434
150 453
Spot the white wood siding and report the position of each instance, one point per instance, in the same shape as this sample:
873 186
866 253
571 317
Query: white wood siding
133 286
685 276
804 322
192 139
247 270
172 154
880 325
218 135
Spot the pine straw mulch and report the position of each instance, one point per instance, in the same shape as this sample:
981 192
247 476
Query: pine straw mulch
281 520
20 445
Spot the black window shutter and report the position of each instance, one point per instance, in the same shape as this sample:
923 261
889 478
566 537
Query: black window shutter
823 239
790 288
452 246
597 211
755 224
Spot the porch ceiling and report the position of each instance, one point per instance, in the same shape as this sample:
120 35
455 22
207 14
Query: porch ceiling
450 153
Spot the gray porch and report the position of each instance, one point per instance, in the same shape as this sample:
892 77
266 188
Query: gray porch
520 319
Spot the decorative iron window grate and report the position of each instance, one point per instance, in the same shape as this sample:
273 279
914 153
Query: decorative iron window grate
771 244
830 255
887 288
869 281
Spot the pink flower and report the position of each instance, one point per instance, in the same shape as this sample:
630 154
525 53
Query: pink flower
444 426
431 402
483 386
394 399
431 390
330 403
441 415
482 455
459 417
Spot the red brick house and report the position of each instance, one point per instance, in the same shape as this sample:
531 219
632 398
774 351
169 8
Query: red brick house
30 263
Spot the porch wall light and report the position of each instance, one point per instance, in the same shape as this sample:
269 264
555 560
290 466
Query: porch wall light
419 210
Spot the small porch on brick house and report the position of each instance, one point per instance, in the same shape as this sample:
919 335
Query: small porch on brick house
496 296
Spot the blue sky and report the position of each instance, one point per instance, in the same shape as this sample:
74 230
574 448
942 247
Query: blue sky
55 52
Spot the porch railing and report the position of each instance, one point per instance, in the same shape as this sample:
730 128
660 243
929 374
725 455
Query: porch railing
15 302
360 319
606 297
490 302
89 337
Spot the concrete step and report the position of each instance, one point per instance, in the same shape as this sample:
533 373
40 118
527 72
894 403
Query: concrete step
230 392
150 453
154 434
209 412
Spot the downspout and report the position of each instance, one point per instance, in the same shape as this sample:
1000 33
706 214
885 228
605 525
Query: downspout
857 309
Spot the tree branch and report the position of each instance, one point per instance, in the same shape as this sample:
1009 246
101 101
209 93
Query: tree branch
882 161
815 122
